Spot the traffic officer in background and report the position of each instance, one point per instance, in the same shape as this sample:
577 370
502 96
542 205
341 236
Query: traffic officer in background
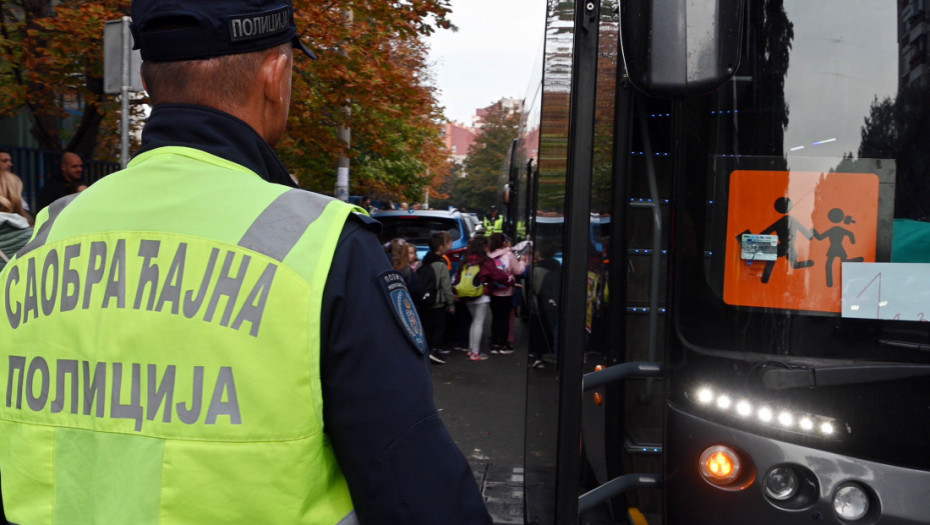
493 222
194 340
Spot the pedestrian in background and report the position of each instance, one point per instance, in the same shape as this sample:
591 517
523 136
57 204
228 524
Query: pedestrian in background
64 183
15 222
435 315
544 304
6 166
6 161
400 260
413 259
479 334
283 362
493 222
10 183
502 295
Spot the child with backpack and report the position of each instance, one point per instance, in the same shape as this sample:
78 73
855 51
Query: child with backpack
434 296
502 296
473 286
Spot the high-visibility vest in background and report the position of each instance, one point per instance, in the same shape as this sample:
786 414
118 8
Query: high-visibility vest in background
161 349
494 225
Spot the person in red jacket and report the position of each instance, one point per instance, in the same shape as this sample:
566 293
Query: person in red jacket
479 333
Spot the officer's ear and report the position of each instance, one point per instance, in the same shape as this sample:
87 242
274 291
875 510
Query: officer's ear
276 74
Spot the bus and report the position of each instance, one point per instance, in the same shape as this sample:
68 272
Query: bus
746 342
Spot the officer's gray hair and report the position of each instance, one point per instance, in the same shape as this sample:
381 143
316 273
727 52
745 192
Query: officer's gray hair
221 81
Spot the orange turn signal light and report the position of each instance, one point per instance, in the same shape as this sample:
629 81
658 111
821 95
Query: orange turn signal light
720 465
598 399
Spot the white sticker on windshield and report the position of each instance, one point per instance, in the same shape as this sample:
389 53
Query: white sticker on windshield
756 247
890 291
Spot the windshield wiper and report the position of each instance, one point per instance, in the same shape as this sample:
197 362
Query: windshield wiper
909 345
813 377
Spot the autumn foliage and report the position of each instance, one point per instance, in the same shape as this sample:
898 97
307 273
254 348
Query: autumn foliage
371 76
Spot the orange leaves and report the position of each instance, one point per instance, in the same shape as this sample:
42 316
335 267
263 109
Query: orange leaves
51 61
56 62
375 64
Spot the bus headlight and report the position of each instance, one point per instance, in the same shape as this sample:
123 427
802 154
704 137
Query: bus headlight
851 502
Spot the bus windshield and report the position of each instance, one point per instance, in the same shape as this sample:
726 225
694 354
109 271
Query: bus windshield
809 170
798 278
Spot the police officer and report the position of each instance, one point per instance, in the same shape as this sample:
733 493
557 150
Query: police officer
493 222
194 340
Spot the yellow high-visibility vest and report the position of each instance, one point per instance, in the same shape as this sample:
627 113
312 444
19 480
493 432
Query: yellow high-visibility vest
495 225
160 356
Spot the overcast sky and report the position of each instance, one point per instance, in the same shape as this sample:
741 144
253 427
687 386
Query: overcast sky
490 57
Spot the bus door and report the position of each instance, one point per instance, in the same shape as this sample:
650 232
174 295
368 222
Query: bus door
600 200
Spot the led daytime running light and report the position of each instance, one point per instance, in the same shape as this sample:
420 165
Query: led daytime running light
766 413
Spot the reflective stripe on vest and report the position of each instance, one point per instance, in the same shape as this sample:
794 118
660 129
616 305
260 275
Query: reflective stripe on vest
160 357
54 209
281 225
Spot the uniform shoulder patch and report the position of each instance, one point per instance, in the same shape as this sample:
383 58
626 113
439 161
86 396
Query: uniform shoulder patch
394 287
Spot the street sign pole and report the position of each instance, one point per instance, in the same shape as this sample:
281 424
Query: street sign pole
124 93
121 73
345 132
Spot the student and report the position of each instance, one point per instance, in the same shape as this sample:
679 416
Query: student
476 254
502 296
400 260
412 258
434 315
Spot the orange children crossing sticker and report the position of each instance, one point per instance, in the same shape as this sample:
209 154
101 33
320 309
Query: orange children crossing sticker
788 233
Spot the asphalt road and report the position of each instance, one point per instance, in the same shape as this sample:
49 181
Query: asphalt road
483 403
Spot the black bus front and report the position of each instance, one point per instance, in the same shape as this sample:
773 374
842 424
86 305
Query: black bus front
797 345
766 243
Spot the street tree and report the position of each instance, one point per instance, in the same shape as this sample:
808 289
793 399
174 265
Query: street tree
372 76
46 69
374 66
486 164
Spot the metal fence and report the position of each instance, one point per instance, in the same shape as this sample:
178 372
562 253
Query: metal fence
34 166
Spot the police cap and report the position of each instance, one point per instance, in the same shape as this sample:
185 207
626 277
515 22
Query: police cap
170 30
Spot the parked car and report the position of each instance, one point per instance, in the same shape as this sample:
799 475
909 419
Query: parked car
418 226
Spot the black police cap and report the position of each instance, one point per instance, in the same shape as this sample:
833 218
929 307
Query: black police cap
170 30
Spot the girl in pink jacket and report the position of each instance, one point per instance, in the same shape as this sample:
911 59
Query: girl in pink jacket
491 276
502 296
